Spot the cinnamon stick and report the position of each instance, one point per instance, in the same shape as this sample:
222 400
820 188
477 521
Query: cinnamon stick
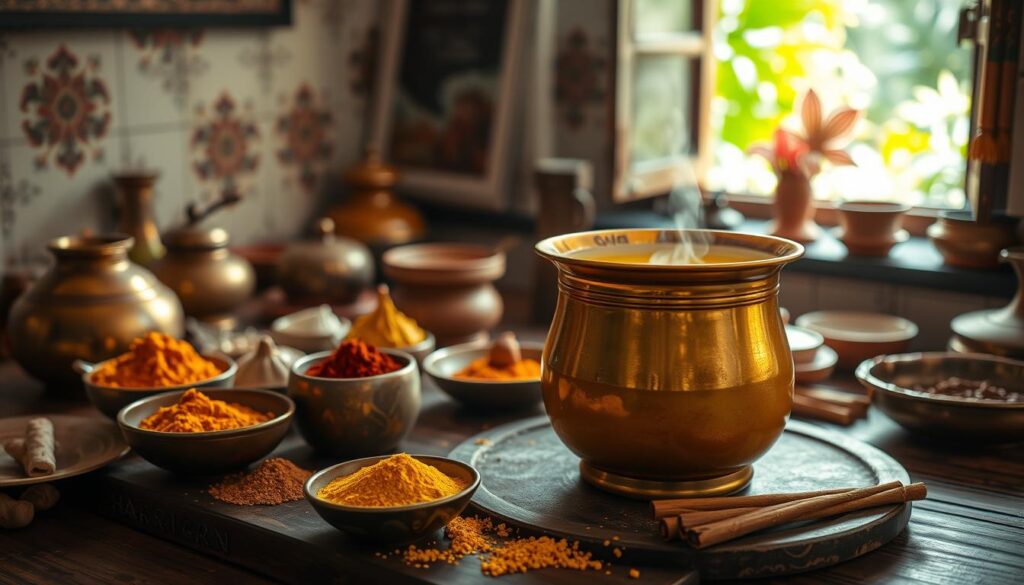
724 530
664 508
808 407
858 403
674 527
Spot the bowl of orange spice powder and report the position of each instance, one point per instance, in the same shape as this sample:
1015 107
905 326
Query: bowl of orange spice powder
207 431
153 364
392 499
503 375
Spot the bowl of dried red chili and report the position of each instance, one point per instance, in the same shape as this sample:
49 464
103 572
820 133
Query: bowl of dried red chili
356 401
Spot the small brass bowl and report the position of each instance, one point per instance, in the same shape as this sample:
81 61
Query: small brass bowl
979 421
421 350
110 400
492 395
394 524
211 452
355 417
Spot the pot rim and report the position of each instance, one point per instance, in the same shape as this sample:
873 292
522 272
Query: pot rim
873 207
785 251
92 246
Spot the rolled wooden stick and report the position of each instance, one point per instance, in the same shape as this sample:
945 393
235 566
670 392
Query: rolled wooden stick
672 527
669 527
35 451
675 507
808 407
858 402
724 530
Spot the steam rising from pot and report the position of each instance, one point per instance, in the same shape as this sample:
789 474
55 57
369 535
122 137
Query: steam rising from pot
685 205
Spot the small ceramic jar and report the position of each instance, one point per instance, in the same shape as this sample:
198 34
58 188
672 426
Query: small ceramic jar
447 288
871 228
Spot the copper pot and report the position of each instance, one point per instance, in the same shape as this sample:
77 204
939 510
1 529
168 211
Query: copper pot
211 281
671 379
447 288
89 305
966 243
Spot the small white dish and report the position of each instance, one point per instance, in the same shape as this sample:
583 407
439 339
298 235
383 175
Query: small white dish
803 343
310 330
819 368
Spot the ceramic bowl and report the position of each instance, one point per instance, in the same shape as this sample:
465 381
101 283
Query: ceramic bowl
819 368
857 336
447 288
871 228
110 400
396 524
421 350
210 452
492 395
892 377
803 343
355 417
284 331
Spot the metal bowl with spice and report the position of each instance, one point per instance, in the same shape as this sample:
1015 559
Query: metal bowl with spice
483 394
355 417
211 452
901 382
110 400
392 524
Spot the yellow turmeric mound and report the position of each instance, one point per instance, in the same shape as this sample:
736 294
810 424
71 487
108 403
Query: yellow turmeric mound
154 361
196 413
399 480
387 326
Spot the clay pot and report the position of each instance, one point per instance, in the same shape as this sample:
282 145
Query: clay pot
871 228
447 288
793 208
966 243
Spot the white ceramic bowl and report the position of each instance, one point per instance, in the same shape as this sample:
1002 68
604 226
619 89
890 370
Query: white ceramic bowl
857 336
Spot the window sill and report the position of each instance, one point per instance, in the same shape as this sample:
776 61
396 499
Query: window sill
913 263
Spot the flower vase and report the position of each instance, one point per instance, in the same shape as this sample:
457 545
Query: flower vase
794 208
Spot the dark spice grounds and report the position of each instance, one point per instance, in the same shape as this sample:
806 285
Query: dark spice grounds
274 481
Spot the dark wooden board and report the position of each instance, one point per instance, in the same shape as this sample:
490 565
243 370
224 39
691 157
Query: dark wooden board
530 479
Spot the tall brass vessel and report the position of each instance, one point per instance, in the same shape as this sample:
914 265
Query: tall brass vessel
667 380
89 305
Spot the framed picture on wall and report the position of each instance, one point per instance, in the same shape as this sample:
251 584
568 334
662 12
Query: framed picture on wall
444 104
21 14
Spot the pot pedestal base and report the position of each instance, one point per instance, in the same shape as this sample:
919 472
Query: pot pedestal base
647 489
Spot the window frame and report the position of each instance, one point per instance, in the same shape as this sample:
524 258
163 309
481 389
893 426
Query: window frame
705 12
633 182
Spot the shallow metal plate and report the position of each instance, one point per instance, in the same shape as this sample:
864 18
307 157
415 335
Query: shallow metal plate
83 444
530 479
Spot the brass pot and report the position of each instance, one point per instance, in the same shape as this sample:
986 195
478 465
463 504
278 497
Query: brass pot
332 270
89 305
211 281
667 380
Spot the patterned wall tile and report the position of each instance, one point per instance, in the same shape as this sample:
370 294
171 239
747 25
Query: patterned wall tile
60 98
64 205
159 66
241 62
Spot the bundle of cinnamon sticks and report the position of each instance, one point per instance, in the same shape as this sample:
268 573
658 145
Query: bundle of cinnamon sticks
703 522
829 405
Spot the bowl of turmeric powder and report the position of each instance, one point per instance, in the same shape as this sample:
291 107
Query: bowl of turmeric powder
500 376
208 431
153 364
392 499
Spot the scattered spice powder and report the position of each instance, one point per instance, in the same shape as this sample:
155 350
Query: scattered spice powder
634 574
501 555
195 412
354 359
399 480
154 361
275 481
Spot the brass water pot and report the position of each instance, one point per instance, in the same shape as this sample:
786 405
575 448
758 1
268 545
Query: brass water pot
667 380
89 305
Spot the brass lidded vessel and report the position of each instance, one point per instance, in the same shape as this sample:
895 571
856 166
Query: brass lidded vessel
667 380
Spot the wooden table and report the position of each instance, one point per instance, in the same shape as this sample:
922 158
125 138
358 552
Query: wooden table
969 530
